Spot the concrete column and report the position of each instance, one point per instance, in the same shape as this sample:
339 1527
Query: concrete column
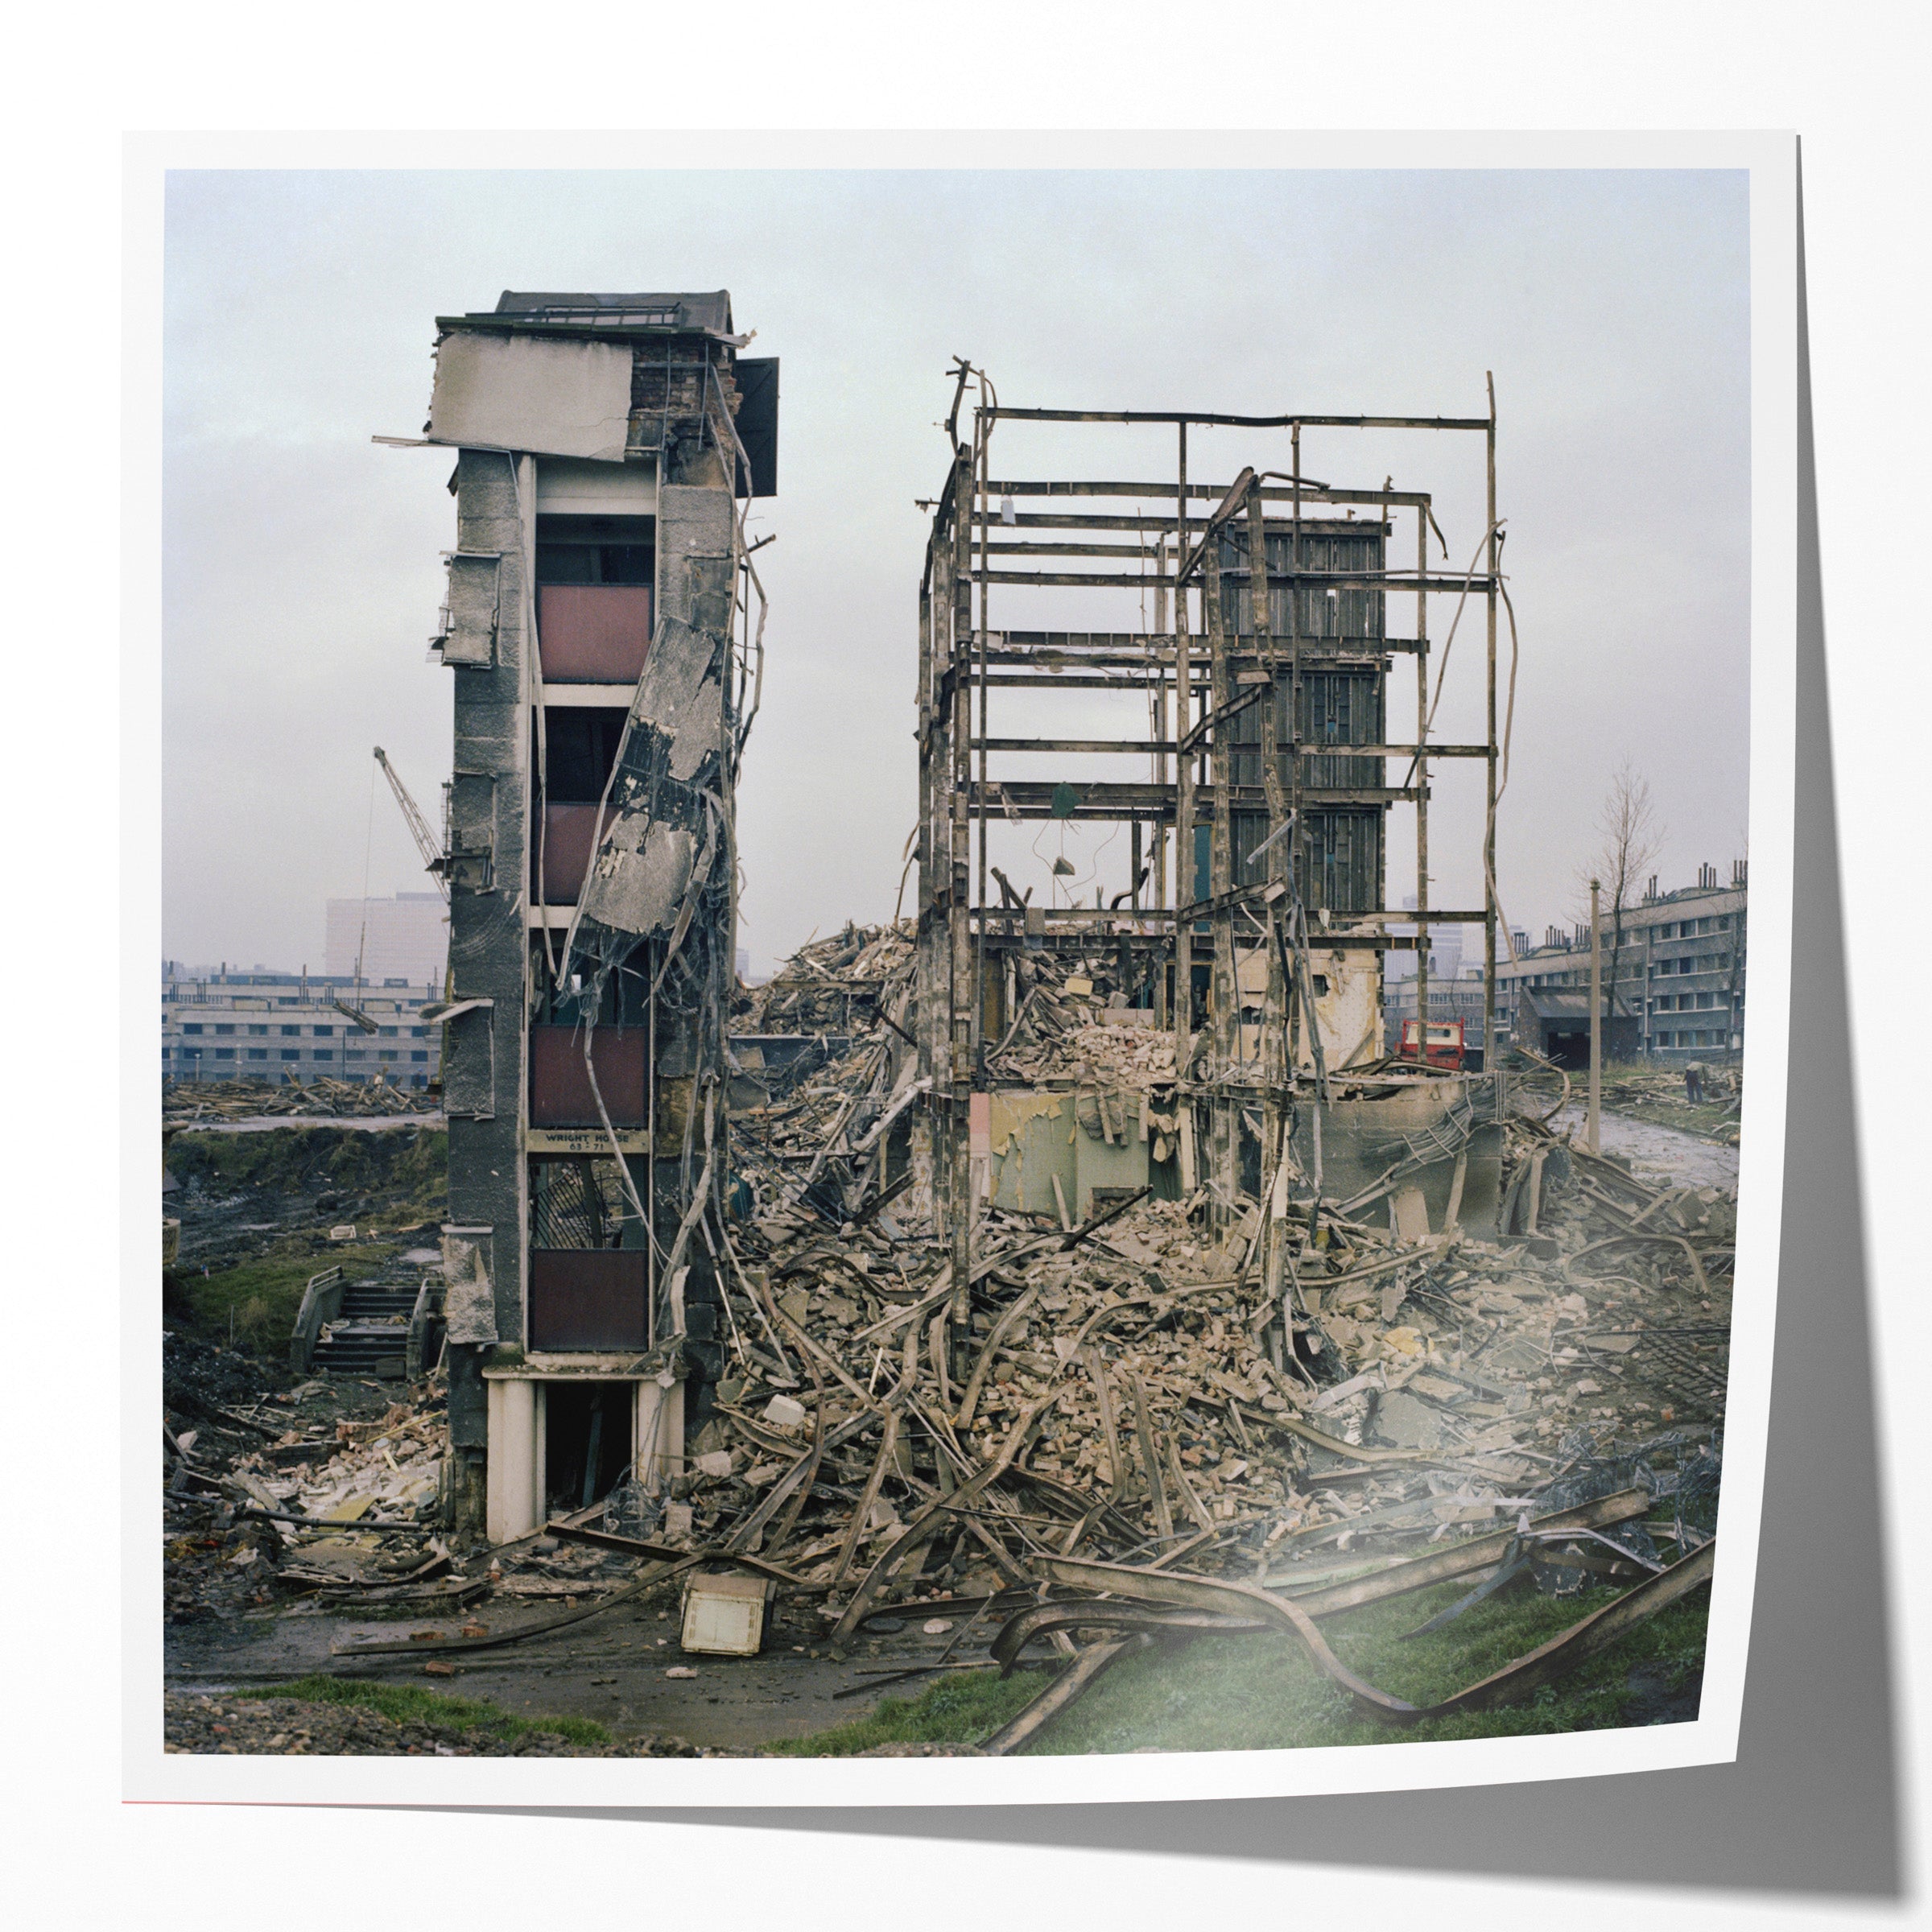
658 1434
515 1486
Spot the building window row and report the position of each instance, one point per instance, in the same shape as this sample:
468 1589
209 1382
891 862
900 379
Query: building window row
261 1052
287 1032
1685 1002
1702 962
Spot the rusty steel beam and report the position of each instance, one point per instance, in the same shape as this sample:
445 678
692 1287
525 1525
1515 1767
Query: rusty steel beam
1190 416
1402 499
1333 580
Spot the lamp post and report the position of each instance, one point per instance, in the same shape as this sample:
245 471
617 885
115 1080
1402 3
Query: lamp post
1591 1132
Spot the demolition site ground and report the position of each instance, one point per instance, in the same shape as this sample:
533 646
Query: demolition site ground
1476 1498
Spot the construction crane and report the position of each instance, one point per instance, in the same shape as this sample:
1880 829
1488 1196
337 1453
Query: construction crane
419 830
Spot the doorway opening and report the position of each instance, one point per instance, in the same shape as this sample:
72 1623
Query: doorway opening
586 1446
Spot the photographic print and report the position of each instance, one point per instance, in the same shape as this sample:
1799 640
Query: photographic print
1017 932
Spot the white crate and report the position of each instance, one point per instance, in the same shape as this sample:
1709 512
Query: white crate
724 1615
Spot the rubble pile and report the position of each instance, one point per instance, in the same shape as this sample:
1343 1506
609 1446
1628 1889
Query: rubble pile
833 1093
383 1470
1073 1023
184 1102
281 1492
1116 1426
833 985
1128 1400
1124 1383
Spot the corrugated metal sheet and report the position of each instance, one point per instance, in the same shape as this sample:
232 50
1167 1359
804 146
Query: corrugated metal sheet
1341 868
1343 614
1339 707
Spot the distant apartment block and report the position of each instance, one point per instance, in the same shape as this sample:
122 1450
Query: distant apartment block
286 1027
1673 986
405 938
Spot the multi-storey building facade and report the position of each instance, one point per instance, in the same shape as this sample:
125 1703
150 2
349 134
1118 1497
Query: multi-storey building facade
602 633
1673 982
284 1027
405 936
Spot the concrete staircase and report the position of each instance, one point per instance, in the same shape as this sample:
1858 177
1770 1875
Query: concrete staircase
370 1335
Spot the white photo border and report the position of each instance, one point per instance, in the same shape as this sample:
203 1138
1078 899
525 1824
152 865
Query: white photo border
152 1775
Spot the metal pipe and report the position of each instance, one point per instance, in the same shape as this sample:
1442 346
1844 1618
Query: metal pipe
1187 887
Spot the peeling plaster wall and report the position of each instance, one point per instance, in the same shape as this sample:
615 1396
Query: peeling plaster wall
1035 1135
1350 1012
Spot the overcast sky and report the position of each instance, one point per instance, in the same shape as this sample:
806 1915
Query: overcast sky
302 561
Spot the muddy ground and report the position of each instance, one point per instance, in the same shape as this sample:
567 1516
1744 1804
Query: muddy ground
614 1672
1661 1156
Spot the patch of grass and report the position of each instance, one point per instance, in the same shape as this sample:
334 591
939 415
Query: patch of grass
408 1704
963 1708
1263 1692
266 1294
406 1167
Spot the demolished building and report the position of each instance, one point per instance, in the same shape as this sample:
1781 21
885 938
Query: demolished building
1255 921
1006 1258
604 627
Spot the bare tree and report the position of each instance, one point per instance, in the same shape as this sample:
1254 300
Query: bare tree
1632 836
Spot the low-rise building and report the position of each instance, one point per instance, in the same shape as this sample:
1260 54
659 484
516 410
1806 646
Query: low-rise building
1674 973
229 1024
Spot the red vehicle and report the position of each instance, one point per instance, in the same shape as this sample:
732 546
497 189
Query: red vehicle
1445 1043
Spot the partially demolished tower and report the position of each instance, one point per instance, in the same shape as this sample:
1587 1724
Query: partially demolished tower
604 626
1253 921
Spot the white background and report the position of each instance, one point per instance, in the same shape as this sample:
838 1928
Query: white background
1850 83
